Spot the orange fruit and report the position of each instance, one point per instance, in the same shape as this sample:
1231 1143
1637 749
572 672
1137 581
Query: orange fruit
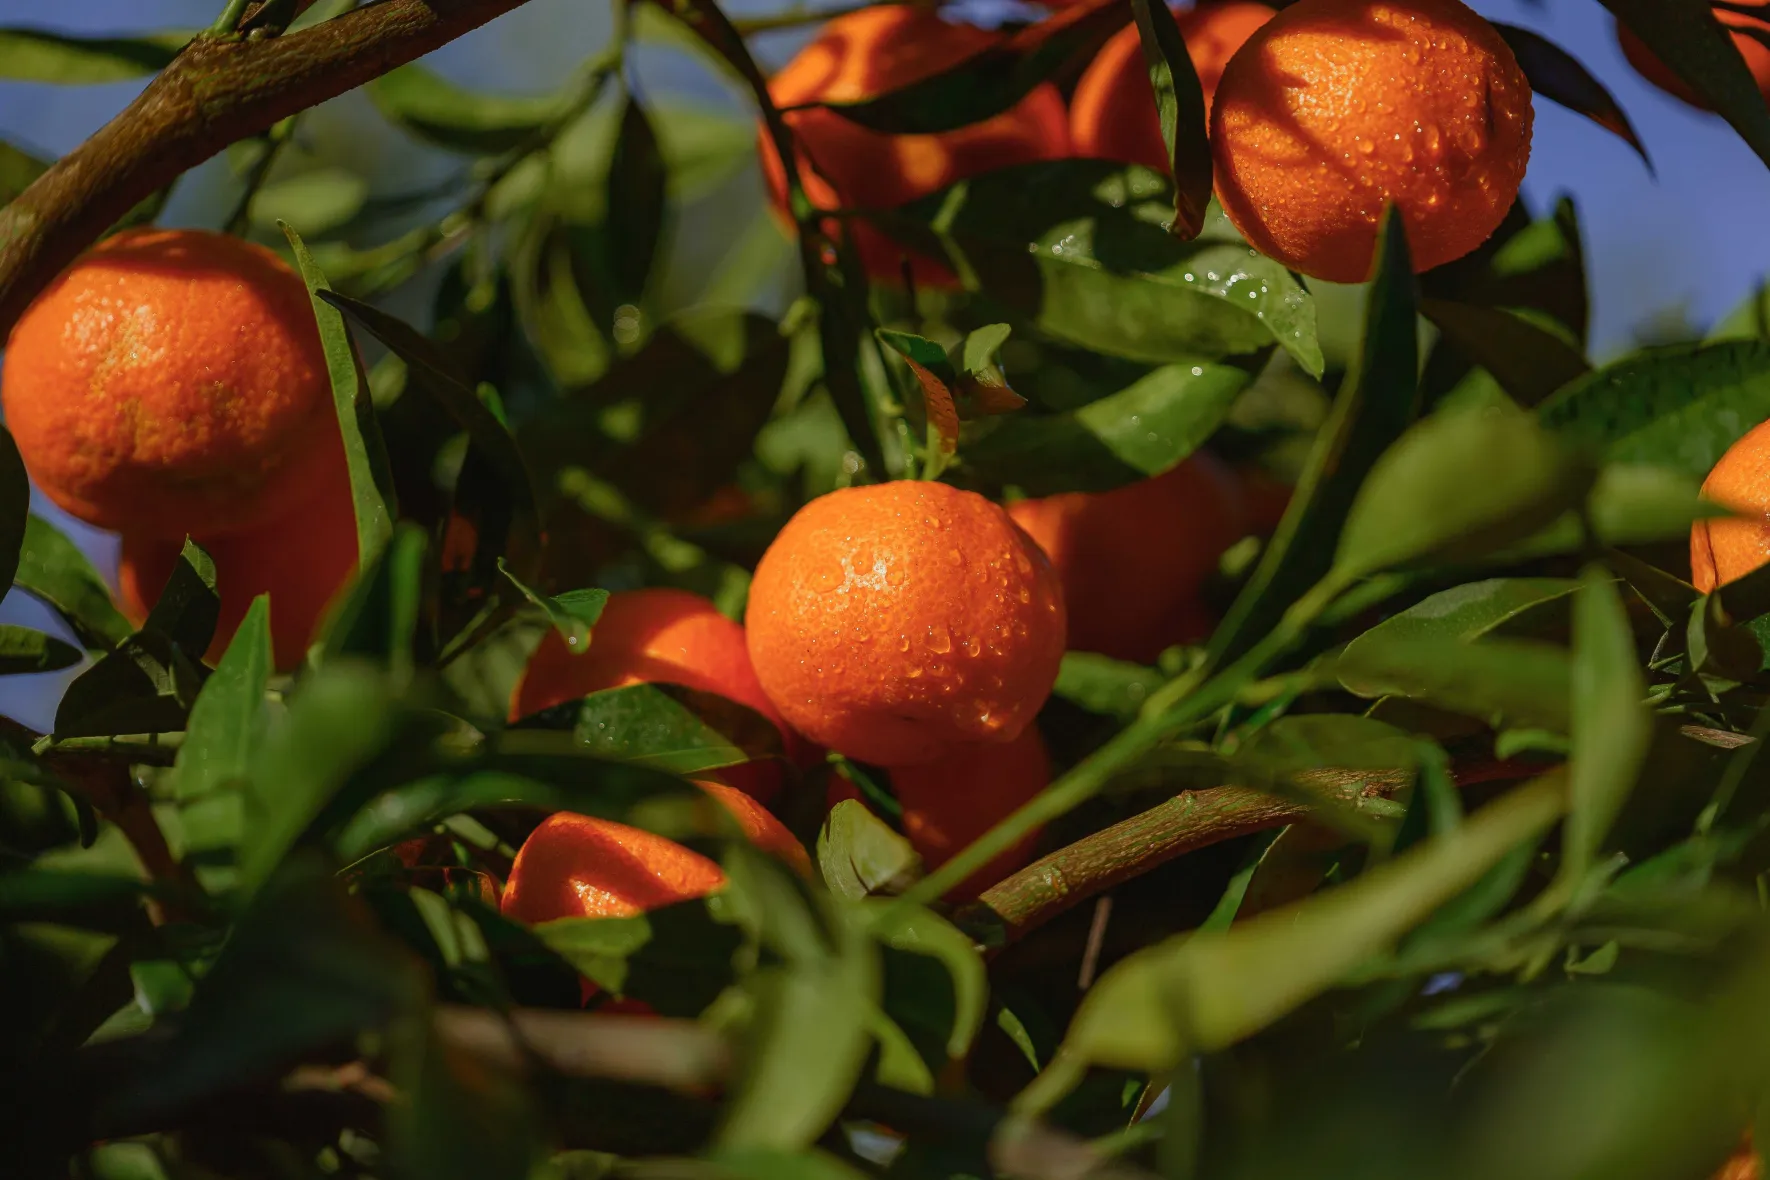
579 866
302 561
950 802
846 166
1335 108
1724 549
1134 559
1755 52
171 382
1112 114
901 621
658 636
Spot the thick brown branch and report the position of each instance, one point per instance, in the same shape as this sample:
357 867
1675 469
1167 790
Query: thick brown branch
215 93
1189 821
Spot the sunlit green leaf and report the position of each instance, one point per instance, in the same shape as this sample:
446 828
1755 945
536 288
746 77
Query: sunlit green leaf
38 55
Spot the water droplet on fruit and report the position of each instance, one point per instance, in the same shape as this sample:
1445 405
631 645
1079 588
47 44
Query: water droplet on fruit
972 647
938 639
903 643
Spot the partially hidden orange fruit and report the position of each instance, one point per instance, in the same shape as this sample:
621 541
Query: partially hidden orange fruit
171 382
1134 560
1755 53
1112 115
950 802
302 560
579 866
843 165
658 636
1336 108
1724 549
899 622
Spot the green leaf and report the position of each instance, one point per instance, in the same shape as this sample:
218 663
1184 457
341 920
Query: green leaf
371 484
978 353
935 378
1467 612
1688 38
90 901
1749 320
1514 681
146 685
303 969
15 507
662 726
341 718
440 112
1203 992
1437 495
676 958
378 617
53 568
637 204
1142 430
189 606
572 613
1558 76
1529 361
1611 725
18 169
25 650
991 81
1377 401
859 855
318 202
37 55
810 1164
923 932
1100 684
1180 107
1079 247
225 721
460 1117
1680 406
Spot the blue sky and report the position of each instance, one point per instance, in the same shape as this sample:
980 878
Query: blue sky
1680 248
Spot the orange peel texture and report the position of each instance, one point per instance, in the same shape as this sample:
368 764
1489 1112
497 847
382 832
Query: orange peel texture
171 383
1134 560
843 165
949 803
658 636
1112 115
1724 549
901 621
1335 108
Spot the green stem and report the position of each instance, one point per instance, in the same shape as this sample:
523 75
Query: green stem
229 20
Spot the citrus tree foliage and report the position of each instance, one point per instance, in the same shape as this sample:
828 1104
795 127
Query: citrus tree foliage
1443 856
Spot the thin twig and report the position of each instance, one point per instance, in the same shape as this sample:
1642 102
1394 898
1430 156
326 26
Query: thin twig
1096 937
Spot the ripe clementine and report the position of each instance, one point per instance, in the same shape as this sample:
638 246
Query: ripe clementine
1335 108
579 866
652 636
302 560
171 383
1651 69
900 621
1112 114
1134 559
952 801
846 166
1726 548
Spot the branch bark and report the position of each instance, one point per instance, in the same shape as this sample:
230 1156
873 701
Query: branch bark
1020 904
217 92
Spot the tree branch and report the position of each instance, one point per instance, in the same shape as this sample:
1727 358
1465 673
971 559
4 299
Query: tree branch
1013 908
216 92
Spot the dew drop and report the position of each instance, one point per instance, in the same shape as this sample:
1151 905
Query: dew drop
938 639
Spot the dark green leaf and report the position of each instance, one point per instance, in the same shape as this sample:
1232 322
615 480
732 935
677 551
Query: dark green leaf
1557 76
451 116
572 613
15 507
226 719
637 183
378 616
858 855
17 170
923 932
88 900
1679 406
1469 611
37 55
993 80
675 958
1436 495
1100 684
189 606
460 1117
1520 681
1529 361
146 685
1688 39
663 726
1142 430
1079 247
52 568
1180 107
1377 401
25 650
371 484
